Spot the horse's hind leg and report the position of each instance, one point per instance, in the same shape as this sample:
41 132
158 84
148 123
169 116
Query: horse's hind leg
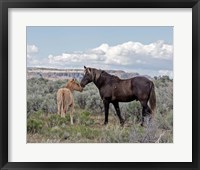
116 105
106 108
143 114
145 111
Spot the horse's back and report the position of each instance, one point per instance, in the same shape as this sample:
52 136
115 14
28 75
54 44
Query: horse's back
141 86
140 80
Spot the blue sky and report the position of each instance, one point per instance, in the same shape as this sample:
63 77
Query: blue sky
147 50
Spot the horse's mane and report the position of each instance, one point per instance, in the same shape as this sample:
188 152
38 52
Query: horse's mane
113 77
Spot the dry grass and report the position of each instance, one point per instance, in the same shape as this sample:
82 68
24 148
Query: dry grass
89 128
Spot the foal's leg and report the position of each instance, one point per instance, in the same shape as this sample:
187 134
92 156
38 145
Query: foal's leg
64 109
72 114
59 105
116 105
106 108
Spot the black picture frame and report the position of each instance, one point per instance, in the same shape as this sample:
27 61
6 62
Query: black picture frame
6 4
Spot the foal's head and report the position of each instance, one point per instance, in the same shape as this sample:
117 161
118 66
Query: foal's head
73 85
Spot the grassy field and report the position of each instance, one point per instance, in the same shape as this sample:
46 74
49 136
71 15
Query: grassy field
45 126
89 128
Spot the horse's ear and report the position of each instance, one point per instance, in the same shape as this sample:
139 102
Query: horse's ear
85 67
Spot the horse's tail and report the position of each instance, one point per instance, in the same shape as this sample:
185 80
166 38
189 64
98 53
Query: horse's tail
152 99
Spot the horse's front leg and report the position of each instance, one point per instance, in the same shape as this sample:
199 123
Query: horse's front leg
106 110
116 105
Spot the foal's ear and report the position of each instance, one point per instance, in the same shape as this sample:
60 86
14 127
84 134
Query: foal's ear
85 67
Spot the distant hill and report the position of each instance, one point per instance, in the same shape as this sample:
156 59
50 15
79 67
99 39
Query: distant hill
55 74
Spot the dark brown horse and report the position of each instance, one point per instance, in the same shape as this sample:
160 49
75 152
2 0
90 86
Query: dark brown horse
114 90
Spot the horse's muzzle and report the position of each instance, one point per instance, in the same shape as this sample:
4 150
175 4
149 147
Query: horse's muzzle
82 85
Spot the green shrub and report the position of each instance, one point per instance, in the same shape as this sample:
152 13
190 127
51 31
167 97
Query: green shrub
84 117
165 121
57 120
34 125
56 132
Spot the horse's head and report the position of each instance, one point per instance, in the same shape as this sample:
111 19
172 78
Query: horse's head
88 76
73 85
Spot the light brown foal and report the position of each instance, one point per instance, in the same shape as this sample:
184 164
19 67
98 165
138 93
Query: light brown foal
65 98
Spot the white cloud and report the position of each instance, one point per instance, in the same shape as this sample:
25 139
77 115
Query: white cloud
128 53
140 62
155 58
32 51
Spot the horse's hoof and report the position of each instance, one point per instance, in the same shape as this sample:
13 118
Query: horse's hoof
105 123
122 122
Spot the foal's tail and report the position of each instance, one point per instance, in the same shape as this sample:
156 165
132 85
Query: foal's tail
152 99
